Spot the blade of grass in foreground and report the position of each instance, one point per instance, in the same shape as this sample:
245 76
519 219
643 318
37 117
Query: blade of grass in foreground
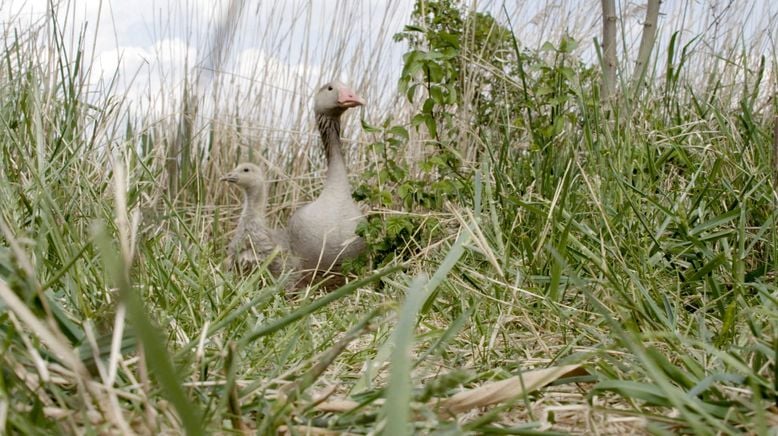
383 353
293 316
291 392
691 409
398 397
154 346
255 302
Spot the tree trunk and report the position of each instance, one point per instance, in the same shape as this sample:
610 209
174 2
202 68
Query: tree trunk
646 46
608 49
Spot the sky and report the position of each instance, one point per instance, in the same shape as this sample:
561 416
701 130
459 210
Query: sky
154 43
143 49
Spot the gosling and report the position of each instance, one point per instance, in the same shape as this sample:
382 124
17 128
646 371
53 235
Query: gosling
254 242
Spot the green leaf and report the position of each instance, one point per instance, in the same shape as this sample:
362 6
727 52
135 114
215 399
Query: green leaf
567 45
412 28
715 222
418 120
547 46
368 128
436 94
543 90
399 131
412 65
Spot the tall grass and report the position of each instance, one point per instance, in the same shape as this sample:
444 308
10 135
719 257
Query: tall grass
638 242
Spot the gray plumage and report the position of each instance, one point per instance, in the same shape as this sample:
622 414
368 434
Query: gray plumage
322 233
254 241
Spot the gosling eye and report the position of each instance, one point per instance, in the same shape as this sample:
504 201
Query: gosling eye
245 170
329 88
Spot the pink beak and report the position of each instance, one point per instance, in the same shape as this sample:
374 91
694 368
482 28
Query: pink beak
348 98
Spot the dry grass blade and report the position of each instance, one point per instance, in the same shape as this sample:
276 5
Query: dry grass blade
309 430
337 406
46 336
63 351
504 390
292 390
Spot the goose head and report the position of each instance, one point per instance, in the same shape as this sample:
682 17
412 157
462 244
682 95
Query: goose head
334 98
247 176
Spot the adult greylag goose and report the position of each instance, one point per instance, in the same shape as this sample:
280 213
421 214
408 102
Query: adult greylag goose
322 233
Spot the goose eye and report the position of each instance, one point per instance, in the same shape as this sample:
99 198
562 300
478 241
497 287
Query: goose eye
245 170
329 88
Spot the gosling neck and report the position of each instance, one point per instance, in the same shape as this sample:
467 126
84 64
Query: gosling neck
329 129
254 199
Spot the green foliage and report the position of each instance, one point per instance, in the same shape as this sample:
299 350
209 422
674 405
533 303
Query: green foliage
458 63
388 183
452 49
435 64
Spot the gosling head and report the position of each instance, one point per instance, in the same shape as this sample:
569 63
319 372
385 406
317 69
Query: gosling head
334 98
247 176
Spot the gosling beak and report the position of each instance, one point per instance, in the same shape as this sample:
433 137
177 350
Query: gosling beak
229 177
348 98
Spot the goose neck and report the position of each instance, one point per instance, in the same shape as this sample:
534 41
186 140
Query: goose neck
329 129
254 202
